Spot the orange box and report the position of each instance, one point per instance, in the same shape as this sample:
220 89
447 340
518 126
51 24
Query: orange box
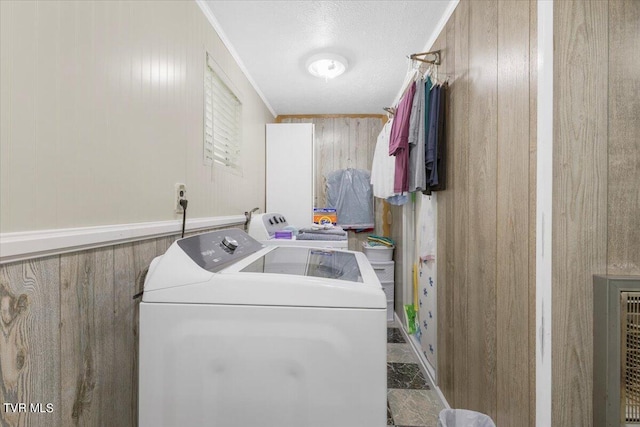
325 216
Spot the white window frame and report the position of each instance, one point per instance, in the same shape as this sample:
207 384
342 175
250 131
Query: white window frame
222 114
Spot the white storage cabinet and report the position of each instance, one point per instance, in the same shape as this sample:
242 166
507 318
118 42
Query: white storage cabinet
290 171
385 272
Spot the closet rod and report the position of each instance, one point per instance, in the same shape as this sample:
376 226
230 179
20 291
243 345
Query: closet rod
435 53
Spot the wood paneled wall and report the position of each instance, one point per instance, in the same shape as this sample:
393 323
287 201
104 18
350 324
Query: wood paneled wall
486 227
341 142
623 174
596 189
69 335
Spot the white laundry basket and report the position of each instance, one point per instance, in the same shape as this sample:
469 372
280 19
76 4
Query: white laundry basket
379 253
463 418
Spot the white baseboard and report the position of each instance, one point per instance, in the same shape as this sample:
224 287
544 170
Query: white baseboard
20 246
423 361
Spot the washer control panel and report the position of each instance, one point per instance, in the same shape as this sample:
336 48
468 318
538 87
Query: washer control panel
218 249
274 222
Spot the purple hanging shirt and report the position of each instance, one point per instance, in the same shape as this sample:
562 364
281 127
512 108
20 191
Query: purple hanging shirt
399 141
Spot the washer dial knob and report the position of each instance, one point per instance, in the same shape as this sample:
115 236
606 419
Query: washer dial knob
230 243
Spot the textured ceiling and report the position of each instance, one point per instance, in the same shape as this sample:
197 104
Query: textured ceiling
273 40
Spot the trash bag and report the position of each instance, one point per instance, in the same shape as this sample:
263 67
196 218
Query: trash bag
463 418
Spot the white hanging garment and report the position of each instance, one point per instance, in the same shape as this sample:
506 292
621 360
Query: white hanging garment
383 165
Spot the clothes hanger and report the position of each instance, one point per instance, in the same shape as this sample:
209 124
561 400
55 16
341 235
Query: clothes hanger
435 54
391 111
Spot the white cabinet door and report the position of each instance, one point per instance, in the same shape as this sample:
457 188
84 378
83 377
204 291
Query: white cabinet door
290 171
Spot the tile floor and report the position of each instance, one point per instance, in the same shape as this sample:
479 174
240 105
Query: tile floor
411 398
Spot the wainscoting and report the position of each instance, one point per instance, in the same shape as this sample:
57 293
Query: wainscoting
69 335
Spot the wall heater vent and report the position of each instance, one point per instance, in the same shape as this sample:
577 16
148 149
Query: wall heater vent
616 351
630 357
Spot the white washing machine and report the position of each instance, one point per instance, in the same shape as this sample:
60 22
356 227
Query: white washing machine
263 228
236 334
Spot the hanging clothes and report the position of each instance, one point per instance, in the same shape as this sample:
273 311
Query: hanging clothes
349 192
417 175
435 152
441 155
398 199
427 111
399 140
383 169
383 165
432 135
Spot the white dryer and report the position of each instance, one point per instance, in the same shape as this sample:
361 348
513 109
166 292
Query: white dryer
236 334
263 227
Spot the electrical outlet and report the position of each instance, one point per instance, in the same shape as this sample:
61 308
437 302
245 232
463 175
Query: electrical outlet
180 194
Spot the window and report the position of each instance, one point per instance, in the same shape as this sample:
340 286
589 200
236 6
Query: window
222 120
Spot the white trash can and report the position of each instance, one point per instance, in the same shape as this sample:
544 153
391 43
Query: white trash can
463 418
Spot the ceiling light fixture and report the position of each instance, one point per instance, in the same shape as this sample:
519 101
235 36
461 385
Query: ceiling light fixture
327 65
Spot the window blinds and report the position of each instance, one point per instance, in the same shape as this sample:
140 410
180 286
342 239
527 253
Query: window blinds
222 122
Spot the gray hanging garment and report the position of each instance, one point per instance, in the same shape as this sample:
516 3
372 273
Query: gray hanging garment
349 192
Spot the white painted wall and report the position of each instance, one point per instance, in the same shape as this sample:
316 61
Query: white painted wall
101 114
